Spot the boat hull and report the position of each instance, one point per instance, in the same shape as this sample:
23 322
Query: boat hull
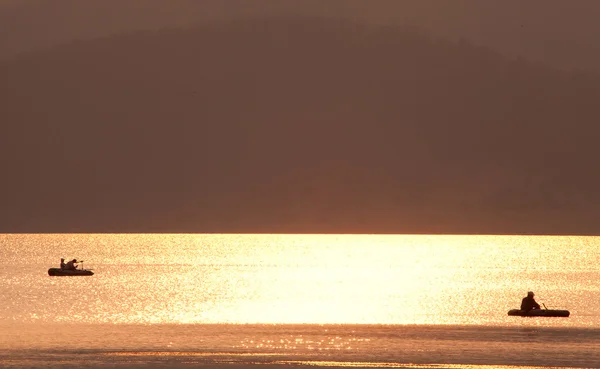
540 312
56 272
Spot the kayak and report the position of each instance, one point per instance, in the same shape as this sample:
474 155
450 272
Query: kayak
540 312
65 272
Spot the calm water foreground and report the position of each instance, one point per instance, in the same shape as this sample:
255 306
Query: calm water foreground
298 300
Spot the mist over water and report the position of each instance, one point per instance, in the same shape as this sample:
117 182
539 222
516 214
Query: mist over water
321 300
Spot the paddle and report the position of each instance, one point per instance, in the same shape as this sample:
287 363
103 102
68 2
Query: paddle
82 268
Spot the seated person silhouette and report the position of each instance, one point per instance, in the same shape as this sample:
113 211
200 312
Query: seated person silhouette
529 302
71 265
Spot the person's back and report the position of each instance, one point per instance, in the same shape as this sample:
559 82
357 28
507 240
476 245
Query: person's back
71 265
528 303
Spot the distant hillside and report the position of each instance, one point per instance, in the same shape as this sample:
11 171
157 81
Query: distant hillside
294 124
560 33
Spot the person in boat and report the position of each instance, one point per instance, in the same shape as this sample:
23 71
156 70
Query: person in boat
71 265
62 264
528 303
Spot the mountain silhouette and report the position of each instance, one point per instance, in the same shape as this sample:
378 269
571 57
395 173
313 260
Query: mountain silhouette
560 33
295 124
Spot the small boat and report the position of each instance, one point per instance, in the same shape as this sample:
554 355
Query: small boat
540 312
66 272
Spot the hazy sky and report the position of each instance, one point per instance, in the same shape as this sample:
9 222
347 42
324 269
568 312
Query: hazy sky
562 33
284 123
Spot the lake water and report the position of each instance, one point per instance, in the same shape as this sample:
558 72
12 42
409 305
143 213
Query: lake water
298 300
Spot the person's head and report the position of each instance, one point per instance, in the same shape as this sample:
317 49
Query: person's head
74 260
530 294
62 259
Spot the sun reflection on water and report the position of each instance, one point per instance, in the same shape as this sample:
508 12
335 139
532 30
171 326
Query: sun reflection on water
318 279
324 343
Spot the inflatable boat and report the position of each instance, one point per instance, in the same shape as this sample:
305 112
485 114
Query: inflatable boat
65 272
540 312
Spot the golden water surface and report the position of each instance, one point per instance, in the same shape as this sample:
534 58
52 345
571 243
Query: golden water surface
356 279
